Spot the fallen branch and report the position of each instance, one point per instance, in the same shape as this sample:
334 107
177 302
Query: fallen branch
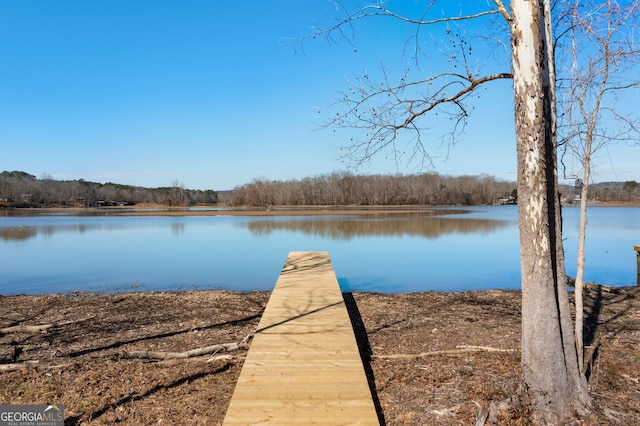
447 411
225 347
19 366
207 350
459 350
607 289
48 363
25 328
571 282
484 348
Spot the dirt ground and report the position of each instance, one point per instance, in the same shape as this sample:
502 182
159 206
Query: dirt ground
83 354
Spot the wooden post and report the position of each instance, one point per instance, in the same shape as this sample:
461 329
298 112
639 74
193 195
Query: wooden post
637 249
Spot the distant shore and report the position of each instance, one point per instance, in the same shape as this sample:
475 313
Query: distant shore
214 210
159 210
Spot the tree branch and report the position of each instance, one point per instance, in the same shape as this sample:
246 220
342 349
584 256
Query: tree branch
383 110
26 328
373 10
463 349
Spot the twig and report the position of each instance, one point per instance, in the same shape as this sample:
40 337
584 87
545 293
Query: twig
459 350
484 348
447 411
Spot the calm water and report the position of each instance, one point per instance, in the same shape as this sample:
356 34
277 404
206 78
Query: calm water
475 249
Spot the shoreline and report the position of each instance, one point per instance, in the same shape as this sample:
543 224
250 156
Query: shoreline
246 211
80 294
214 210
77 351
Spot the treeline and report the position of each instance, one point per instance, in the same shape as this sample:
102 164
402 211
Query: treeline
611 191
419 189
21 189
373 190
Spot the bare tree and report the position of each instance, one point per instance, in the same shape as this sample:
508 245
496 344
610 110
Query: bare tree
178 195
602 63
385 112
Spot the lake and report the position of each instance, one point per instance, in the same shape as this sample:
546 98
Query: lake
476 248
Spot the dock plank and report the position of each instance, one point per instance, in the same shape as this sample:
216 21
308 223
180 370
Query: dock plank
303 366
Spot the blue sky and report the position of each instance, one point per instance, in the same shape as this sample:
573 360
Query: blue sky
211 93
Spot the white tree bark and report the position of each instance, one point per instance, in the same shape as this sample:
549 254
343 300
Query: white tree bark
552 376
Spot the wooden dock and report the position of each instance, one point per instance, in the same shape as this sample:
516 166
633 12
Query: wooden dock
303 366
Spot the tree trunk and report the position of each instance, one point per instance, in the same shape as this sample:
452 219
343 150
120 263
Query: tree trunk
552 378
579 284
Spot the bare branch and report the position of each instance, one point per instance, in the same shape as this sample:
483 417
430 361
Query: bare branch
372 10
604 65
473 84
382 111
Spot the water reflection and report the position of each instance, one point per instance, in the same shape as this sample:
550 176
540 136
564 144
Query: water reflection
18 233
22 233
431 250
391 225
428 225
177 228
